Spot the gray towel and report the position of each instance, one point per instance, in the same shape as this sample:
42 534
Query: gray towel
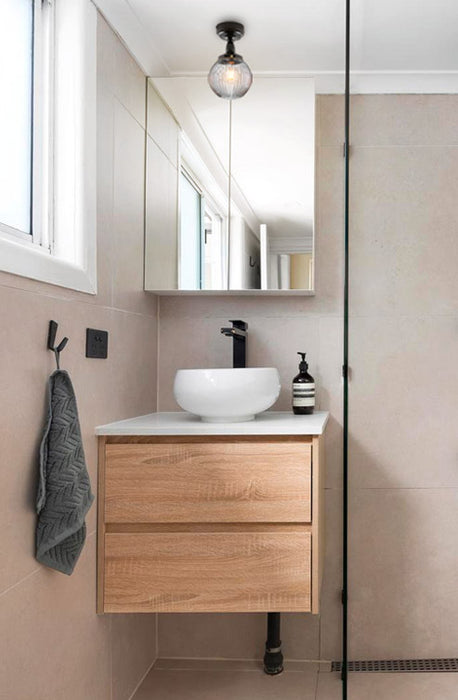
64 490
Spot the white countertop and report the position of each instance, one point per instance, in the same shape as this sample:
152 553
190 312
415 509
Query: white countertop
182 423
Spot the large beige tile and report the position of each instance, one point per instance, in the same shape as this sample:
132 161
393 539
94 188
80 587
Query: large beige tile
161 125
25 367
235 636
105 161
226 685
106 43
403 120
53 645
129 83
128 214
330 601
329 687
329 232
389 686
161 222
403 569
401 686
133 646
332 120
133 355
330 394
403 402
122 385
272 342
403 222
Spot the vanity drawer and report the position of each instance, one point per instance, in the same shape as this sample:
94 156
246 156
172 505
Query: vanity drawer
208 482
208 571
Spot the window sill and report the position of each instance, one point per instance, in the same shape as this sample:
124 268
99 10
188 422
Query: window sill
32 262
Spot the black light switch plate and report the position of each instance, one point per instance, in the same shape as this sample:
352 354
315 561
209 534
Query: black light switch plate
96 343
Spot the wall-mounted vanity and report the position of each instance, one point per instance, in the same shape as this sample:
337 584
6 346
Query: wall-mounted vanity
230 187
204 517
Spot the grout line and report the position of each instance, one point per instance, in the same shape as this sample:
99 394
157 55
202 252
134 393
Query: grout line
150 667
70 300
316 683
18 583
126 108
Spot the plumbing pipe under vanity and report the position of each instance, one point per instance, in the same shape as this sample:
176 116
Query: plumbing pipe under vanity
273 657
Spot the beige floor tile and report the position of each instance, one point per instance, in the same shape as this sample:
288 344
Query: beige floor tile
389 686
329 687
403 686
226 685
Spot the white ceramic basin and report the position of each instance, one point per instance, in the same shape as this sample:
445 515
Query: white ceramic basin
227 395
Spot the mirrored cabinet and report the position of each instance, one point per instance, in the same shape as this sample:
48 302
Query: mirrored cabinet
230 187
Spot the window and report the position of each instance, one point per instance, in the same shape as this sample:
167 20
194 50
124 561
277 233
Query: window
203 244
47 141
16 61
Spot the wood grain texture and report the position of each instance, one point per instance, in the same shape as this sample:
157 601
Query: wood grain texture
318 540
196 439
207 572
208 482
207 527
100 524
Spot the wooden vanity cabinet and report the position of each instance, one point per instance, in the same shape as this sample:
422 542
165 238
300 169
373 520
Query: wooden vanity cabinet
210 524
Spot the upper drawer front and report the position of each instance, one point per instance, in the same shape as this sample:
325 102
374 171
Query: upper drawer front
208 482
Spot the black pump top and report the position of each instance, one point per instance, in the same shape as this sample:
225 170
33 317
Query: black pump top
303 365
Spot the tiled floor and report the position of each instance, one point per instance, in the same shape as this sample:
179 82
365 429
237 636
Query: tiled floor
232 680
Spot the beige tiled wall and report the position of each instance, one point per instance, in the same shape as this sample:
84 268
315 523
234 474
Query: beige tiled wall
52 644
189 336
404 350
404 384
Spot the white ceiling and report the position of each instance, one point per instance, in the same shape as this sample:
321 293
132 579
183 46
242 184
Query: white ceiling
397 45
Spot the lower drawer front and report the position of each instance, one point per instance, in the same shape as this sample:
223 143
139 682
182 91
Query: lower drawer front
208 572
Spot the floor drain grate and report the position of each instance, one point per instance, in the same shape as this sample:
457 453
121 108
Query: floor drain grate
400 666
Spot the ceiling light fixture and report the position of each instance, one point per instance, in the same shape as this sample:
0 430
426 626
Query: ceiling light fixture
230 77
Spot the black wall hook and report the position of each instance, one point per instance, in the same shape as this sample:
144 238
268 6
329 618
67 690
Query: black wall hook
52 339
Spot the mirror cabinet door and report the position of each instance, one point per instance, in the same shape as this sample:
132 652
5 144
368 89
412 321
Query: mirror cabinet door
230 187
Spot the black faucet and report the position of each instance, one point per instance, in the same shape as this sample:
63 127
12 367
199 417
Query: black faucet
238 333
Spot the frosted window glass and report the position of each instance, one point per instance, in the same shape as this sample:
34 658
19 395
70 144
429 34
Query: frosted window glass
16 22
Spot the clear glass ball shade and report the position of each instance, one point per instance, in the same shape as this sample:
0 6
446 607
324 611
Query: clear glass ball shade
230 79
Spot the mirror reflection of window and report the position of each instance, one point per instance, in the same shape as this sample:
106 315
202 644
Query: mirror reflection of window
203 244
191 238
214 250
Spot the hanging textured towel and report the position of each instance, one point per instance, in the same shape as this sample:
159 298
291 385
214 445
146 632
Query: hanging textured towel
64 489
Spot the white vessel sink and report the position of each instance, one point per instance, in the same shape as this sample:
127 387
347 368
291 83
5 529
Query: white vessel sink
227 395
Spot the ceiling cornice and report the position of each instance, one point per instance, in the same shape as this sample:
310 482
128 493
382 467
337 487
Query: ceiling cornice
121 17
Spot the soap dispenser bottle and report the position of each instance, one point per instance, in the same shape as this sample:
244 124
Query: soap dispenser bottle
303 389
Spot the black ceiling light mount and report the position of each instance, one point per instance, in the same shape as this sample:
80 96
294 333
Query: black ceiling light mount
230 77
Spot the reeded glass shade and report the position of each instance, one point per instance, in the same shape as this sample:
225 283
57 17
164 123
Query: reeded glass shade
230 78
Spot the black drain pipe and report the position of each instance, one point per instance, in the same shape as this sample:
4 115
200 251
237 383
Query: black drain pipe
273 658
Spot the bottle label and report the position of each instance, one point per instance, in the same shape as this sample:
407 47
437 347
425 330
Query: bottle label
303 394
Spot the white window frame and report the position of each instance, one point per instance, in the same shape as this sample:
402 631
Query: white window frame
62 248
